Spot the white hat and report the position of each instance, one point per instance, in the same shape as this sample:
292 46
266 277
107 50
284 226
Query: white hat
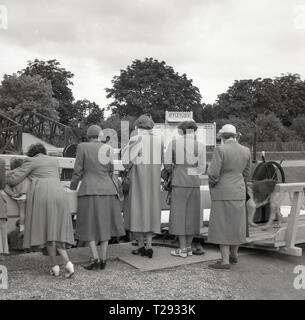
227 128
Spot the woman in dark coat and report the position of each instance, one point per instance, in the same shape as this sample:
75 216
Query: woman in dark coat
185 158
99 210
48 221
227 172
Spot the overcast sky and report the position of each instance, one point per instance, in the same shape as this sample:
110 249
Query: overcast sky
213 41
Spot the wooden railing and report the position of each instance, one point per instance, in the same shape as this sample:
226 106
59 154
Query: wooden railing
10 135
47 129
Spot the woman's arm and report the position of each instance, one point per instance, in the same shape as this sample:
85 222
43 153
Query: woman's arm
19 174
247 170
169 157
78 168
215 167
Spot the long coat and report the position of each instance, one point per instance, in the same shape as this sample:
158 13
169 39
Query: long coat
99 212
227 172
144 153
186 158
47 217
90 169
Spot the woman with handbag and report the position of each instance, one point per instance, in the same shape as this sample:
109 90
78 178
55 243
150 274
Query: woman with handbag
185 160
143 156
99 210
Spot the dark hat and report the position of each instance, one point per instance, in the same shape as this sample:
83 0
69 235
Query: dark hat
144 122
93 131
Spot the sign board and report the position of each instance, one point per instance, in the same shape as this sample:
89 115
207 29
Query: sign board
206 132
175 116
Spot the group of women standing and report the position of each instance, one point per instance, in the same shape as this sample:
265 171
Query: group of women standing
48 221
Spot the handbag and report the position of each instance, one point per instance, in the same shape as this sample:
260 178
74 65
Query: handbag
118 188
126 181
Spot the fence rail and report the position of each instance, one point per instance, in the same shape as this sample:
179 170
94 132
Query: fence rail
46 128
10 135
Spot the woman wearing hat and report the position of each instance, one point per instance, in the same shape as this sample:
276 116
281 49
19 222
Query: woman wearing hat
99 211
48 222
143 156
229 168
185 159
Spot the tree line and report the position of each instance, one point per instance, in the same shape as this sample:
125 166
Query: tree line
274 108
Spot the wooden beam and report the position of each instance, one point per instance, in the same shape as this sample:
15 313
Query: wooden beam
290 187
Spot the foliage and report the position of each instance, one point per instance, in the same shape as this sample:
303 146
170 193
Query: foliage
27 93
152 87
60 80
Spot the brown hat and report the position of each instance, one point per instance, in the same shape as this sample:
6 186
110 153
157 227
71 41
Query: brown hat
93 131
144 122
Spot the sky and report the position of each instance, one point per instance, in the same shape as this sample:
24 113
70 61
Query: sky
214 42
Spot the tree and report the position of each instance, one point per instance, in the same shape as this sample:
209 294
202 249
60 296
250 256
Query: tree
60 80
248 98
152 87
27 93
270 128
83 114
298 126
86 112
292 91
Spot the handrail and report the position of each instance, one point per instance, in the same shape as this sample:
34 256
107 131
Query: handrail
10 135
46 128
39 125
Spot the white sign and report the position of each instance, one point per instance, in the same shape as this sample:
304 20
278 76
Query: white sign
175 116
206 132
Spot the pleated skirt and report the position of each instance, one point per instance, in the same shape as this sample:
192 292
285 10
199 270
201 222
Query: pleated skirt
227 223
99 218
184 216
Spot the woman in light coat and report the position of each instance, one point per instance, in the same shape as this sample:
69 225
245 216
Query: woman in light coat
185 159
48 221
143 156
227 172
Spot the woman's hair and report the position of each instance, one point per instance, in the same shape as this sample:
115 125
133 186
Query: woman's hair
228 135
15 163
187 125
144 122
35 149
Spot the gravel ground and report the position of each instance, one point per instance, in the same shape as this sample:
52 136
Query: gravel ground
263 275
120 281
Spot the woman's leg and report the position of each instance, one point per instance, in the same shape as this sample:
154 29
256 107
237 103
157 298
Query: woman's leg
140 238
225 252
103 250
189 240
64 254
182 242
94 251
234 251
51 248
149 240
